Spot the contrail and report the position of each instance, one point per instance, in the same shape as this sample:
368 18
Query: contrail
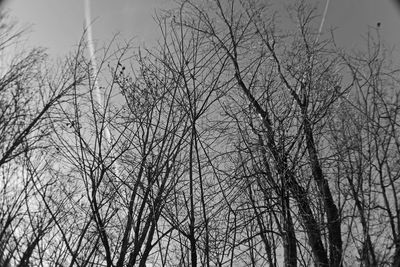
94 73
94 69
322 21
321 25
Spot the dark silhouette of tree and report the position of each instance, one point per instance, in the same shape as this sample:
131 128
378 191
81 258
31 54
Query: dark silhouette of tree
29 93
241 139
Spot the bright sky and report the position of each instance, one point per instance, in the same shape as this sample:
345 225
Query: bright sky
58 24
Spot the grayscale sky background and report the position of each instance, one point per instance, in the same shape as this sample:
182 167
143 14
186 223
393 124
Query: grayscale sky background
58 24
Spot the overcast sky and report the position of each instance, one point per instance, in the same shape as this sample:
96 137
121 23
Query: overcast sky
58 24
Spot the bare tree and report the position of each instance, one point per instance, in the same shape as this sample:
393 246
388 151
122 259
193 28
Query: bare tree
251 45
237 141
29 93
365 145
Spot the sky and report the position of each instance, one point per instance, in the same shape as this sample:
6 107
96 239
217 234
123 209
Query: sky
58 24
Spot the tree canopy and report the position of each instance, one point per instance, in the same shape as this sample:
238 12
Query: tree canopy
238 140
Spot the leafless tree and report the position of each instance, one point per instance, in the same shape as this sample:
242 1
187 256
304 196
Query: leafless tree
241 139
289 84
29 92
365 145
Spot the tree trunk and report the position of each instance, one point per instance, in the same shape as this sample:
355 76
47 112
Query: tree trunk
334 227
